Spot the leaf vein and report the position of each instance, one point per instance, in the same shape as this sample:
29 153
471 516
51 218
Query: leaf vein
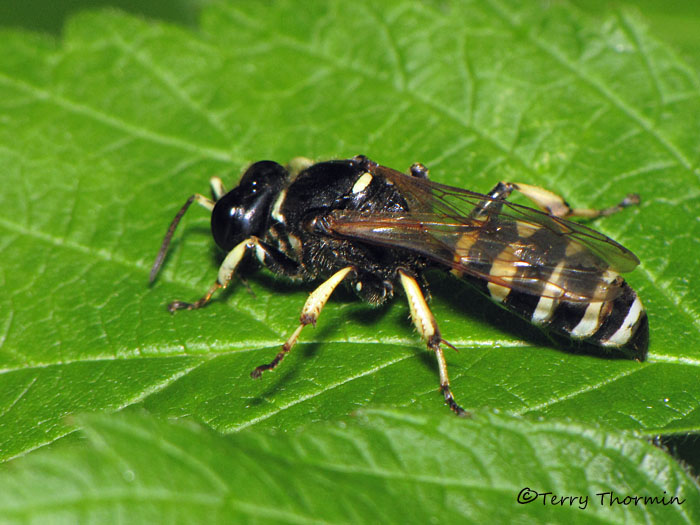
312 395
169 81
41 94
604 90
580 391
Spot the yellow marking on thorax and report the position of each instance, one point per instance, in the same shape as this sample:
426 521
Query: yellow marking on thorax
362 182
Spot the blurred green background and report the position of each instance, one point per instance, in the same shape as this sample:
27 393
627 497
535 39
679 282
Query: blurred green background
49 15
675 21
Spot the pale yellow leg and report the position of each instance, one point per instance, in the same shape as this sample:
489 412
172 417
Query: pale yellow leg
427 327
297 165
557 206
226 271
309 315
217 187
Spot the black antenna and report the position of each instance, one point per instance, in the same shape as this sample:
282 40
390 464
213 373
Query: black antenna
166 240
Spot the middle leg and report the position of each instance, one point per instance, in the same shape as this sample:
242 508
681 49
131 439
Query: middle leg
309 315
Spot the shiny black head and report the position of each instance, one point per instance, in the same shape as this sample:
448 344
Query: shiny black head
245 210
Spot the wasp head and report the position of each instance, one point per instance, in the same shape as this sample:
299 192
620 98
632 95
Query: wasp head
245 210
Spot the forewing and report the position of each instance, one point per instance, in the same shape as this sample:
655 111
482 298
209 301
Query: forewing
455 205
515 247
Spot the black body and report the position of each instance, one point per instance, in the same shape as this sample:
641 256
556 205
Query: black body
314 224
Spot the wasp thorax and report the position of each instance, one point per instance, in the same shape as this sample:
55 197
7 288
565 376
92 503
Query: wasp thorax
245 210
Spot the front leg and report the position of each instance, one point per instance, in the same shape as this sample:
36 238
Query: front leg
270 257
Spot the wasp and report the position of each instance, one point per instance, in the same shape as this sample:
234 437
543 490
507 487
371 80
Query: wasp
379 230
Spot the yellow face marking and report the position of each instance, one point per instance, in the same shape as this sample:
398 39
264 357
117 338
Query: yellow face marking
362 182
276 214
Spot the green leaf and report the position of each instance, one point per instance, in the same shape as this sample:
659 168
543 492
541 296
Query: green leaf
107 131
677 22
383 467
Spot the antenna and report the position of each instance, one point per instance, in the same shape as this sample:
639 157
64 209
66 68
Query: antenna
166 240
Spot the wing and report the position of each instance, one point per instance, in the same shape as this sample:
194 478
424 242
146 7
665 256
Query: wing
509 245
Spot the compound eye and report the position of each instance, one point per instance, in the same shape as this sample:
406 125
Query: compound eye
245 210
263 174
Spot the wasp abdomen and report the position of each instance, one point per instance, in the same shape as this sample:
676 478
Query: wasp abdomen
554 282
618 323
623 322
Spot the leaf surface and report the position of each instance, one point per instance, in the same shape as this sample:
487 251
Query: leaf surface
381 466
106 132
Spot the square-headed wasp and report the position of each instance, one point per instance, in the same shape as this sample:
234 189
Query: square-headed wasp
377 228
